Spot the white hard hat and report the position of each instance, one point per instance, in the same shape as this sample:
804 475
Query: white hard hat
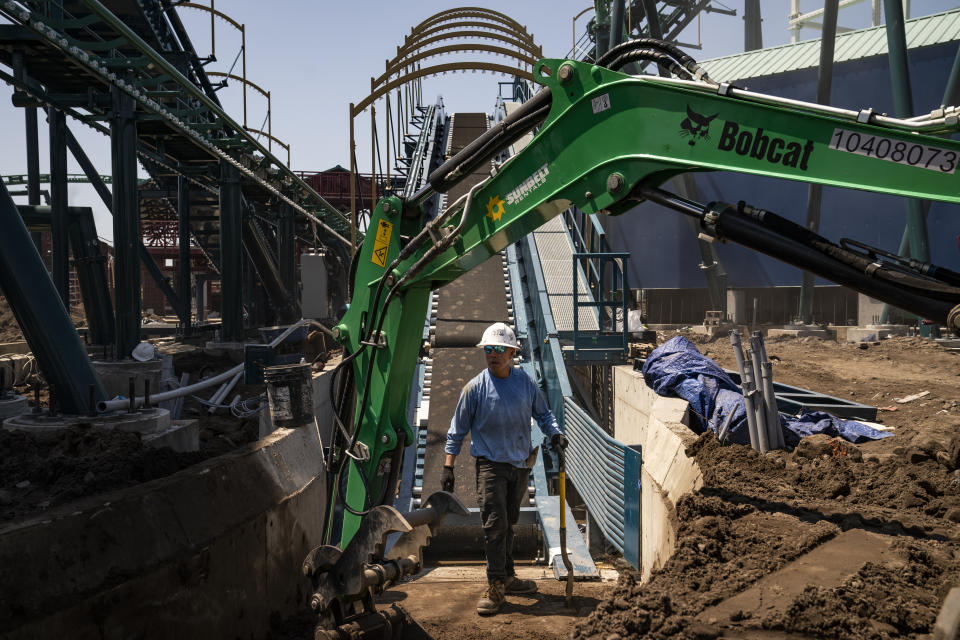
144 352
499 334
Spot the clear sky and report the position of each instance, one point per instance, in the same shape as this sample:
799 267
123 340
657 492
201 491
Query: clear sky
316 57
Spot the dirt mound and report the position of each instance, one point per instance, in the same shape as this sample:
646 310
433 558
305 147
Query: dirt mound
756 514
39 471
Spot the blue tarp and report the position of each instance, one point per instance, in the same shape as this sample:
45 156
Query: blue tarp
677 368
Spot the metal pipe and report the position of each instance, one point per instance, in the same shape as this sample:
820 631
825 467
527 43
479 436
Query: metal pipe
775 437
932 125
746 388
759 357
759 407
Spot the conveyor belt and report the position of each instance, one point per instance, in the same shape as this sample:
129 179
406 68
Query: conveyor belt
465 308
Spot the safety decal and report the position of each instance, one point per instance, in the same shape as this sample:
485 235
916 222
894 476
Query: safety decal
600 103
495 208
523 190
909 153
696 126
381 244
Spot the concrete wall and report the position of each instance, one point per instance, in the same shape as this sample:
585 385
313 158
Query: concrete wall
210 552
659 426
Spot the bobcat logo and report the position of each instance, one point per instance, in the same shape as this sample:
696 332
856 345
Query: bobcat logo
696 126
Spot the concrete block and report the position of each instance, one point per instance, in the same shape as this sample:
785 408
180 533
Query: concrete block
685 477
670 410
802 332
181 435
13 405
115 376
874 333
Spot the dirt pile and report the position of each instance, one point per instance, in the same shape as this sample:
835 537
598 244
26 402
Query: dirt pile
40 471
756 514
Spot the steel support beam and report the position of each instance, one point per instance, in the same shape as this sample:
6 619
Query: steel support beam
126 223
915 241
59 229
259 253
752 26
42 316
815 191
231 254
286 248
183 252
162 282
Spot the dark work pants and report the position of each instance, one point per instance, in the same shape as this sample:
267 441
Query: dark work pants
500 489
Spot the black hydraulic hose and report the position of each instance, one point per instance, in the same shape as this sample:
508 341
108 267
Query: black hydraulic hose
651 55
668 48
755 234
801 234
494 140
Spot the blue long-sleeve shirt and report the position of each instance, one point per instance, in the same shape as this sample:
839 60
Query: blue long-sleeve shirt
497 411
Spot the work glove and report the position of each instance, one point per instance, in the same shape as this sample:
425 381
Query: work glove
446 479
559 442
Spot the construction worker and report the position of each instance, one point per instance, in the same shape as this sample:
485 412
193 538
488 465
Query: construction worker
496 406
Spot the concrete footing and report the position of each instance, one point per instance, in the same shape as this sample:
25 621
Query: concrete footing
115 376
875 332
801 331
154 426
659 426
13 405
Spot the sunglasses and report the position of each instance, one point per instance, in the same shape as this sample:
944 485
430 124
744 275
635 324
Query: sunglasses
491 348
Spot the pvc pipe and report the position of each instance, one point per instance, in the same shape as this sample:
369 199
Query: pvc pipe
113 405
775 436
223 391
748 405
759 404
746 388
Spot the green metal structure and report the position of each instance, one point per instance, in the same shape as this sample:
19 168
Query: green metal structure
606 141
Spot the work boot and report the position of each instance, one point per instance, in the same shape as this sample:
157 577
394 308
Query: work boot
492 599
515 585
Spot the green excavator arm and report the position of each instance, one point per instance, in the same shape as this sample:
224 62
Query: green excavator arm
607 140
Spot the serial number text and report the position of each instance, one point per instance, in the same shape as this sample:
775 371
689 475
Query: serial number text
908 153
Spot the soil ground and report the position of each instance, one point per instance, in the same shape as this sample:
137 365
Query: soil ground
759 524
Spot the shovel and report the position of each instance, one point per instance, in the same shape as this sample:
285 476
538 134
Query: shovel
563 526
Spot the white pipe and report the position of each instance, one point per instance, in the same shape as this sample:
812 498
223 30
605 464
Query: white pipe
222 393
113 405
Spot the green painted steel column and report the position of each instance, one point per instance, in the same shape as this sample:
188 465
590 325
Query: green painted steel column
42 316
183 252
286 248
915 241
815 191
752 26
903 106
60 224
231 254
126 223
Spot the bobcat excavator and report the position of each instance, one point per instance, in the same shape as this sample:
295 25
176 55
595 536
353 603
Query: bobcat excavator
605 141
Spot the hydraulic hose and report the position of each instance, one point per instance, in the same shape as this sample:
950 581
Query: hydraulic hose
506 132
667 48
636 55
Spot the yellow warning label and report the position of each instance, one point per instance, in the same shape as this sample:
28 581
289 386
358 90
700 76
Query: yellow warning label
382 243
